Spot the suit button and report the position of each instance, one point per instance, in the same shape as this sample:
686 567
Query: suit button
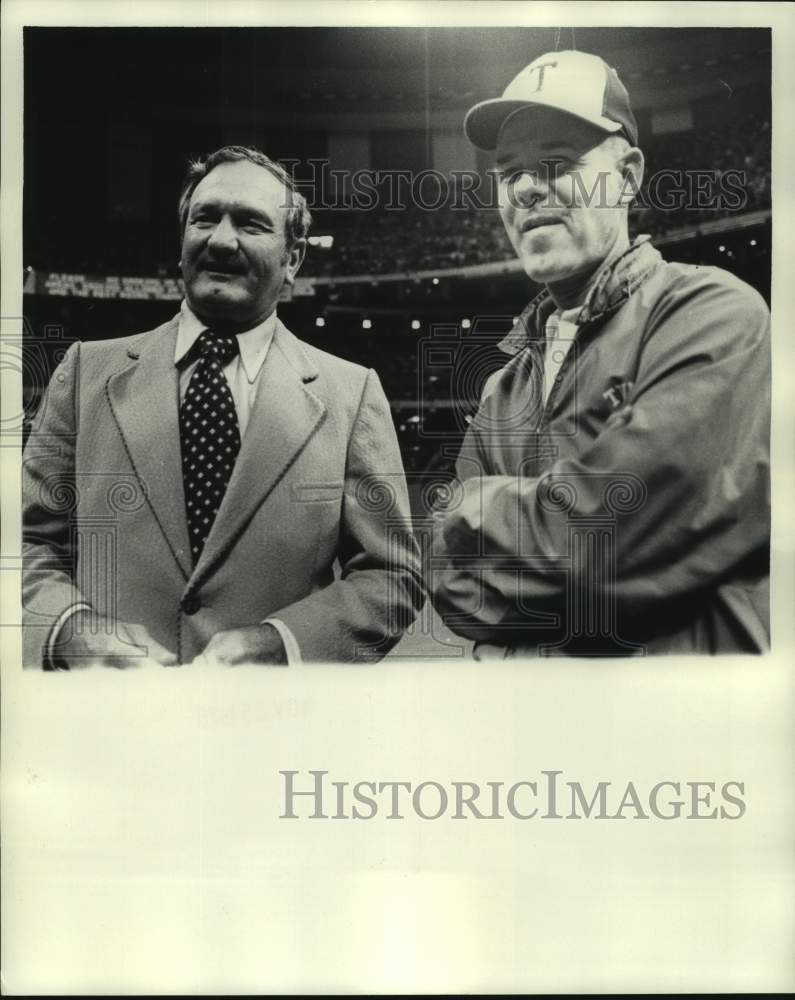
191 604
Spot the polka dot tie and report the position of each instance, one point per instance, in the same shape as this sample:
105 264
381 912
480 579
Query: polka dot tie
210 436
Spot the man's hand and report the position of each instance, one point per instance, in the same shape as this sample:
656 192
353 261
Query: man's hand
251 644
88 640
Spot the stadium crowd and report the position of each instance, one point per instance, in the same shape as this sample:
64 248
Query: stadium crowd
414 239
410 238
406 241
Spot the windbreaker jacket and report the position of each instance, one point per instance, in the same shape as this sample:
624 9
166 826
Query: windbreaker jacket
631 512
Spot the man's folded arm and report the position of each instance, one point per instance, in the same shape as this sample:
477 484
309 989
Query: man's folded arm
683 470
362 614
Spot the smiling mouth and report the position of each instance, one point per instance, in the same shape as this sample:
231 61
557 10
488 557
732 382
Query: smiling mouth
216 273
539 224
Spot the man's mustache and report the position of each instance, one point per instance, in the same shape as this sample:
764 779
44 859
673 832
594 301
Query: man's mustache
222 266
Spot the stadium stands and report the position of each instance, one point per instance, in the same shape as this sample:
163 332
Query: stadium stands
415 239
117 273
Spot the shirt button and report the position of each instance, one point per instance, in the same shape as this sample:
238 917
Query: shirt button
191 604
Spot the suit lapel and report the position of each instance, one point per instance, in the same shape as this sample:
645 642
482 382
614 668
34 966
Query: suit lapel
285 415
144 399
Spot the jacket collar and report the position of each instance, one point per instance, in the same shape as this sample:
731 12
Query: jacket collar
611 289
143 393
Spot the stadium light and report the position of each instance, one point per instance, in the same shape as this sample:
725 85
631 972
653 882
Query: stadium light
721 248
326 242
436 281
320 321
753 243
415 324
366 324
465 324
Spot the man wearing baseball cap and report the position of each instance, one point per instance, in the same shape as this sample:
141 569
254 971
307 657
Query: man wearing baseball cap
615 480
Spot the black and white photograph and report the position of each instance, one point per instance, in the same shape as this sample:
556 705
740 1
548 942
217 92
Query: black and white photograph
394 467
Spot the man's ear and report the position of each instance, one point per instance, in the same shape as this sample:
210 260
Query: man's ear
295 258
631 165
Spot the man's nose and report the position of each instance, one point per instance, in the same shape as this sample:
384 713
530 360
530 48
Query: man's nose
223 238
526 189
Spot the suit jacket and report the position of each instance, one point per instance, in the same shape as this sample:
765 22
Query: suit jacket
314 528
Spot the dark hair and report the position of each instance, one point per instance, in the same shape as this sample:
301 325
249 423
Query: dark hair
298 219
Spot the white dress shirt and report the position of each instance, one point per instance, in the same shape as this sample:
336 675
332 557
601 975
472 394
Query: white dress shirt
561 329
243 371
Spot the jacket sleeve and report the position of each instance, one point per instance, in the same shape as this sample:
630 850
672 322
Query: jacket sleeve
682 469
48 500
379 592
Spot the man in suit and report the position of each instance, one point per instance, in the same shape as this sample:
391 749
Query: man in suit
188 491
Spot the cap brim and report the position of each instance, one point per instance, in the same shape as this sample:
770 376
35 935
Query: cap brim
483 122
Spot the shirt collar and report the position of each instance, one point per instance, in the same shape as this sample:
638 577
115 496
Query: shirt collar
612 287
563 316
253 344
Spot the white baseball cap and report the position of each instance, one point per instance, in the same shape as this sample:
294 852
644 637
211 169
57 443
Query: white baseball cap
576 83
